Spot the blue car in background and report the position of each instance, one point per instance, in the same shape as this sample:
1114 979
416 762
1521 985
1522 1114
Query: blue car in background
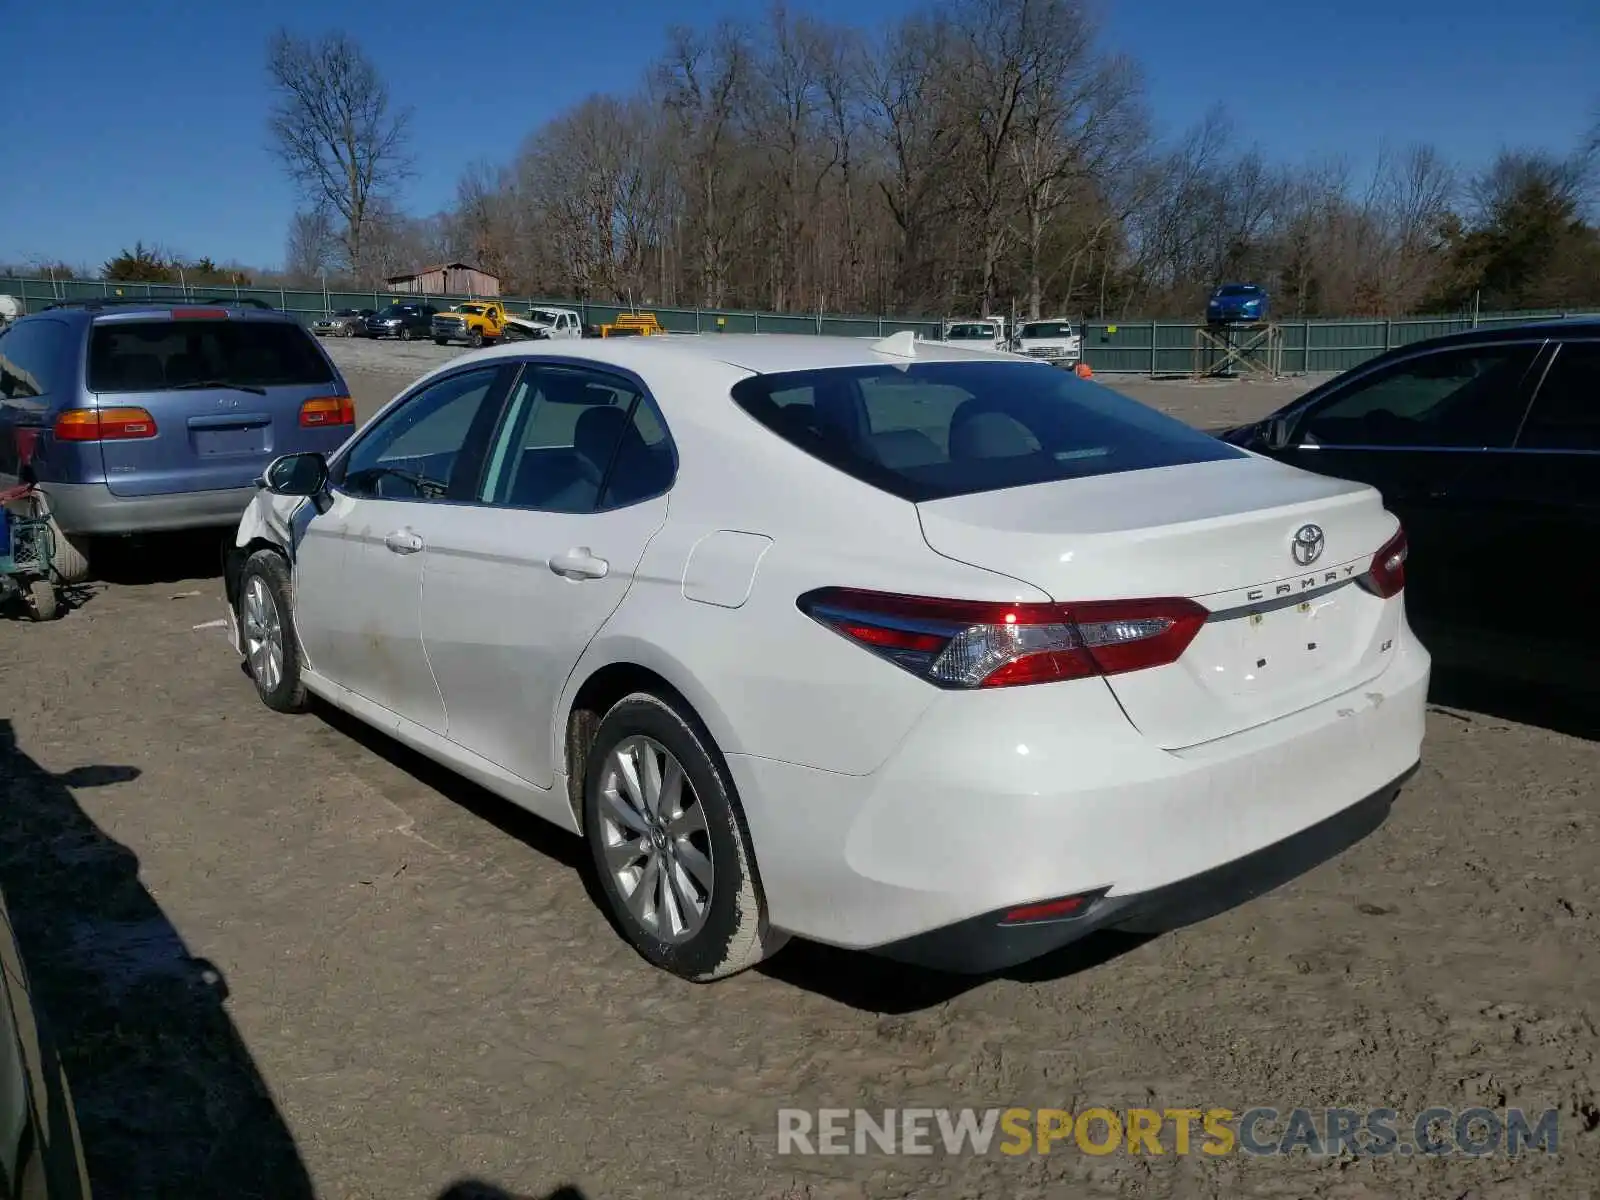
139 416
1237 304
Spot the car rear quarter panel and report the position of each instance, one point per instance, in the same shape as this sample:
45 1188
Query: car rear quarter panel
768 680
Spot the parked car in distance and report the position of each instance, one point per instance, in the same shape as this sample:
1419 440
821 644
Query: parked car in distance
407 321
141 416
1487 444
347 322
1238 304
988 332
1055 341
1031 659
554 324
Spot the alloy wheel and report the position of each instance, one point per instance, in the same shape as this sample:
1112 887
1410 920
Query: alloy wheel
655 839
263 634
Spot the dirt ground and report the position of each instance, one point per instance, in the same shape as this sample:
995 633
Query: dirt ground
286 958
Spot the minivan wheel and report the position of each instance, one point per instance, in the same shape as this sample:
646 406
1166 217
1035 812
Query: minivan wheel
266 632
68 561
669 843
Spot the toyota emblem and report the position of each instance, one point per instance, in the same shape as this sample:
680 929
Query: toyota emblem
1307 544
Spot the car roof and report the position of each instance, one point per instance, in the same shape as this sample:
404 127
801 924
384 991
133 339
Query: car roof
758 353
1520 331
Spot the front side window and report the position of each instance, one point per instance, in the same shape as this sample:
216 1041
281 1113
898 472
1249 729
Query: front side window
574 440
146 356
931 430
1467 398
427 448
1566 412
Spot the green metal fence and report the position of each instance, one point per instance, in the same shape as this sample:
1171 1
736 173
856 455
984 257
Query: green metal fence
1137 347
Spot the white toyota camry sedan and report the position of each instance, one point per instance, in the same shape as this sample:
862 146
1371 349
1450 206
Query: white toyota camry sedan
926 651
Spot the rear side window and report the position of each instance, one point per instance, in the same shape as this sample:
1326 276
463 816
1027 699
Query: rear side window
34 358
147 356
933 430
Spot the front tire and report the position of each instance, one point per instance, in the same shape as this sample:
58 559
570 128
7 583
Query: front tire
475 339
266 630
669 843
43 601
441 341
405 334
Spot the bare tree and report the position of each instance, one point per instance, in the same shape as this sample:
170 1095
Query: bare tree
312 249
336 131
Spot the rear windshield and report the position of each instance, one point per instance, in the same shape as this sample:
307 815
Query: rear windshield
962 333
932 430
146 356
1046 329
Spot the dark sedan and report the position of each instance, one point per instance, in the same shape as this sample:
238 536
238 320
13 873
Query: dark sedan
1487 446
403 321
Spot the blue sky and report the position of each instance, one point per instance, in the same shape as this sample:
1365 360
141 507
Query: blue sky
126 121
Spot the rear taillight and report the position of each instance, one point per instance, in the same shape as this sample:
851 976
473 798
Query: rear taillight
978 644
1387 575
104 425
327 410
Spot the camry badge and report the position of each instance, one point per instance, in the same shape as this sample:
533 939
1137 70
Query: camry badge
1307 544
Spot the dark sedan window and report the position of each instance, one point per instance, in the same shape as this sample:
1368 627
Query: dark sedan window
1471 397
1566 413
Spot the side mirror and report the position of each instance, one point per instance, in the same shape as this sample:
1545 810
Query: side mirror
1275 433
303 474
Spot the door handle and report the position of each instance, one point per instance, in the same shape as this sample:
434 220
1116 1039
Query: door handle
403 541
579 564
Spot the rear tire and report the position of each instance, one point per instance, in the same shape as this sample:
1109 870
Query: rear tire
266 631
68 561
42 600
678 870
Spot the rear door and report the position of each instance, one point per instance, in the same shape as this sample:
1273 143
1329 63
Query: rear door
1532 510
515 589
1415 429
223 391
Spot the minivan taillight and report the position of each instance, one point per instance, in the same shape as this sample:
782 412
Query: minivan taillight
980 644
327 410
104 425
1387 574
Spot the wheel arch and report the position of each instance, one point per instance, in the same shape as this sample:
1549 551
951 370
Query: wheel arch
602 680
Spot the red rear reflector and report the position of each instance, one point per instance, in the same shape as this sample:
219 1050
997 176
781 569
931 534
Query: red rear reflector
104 425
972 644
1387 575
327 410
1049 910
200 314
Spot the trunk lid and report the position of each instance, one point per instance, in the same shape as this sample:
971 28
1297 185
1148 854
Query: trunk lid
1283 635
210 435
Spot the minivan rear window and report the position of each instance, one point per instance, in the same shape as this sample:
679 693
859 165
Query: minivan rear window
149 356
932 430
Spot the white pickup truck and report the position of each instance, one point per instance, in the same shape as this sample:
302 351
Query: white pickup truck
988 333
1055 341
546 324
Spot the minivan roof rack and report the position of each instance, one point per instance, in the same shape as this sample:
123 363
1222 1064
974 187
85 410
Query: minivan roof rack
160 301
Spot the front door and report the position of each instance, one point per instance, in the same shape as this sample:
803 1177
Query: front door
1415 430
514 591
358 570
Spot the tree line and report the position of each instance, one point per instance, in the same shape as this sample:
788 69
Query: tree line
979 155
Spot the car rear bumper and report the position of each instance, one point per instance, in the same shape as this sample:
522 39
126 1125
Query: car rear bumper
92 509
996 801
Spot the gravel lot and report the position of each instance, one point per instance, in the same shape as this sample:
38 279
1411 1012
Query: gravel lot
287 958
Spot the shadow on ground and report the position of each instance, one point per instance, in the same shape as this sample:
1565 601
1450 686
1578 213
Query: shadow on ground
1474 694
160 557
168 1098
472 1189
